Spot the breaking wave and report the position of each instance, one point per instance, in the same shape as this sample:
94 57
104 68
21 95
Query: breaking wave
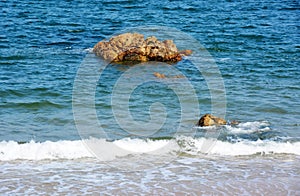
11 150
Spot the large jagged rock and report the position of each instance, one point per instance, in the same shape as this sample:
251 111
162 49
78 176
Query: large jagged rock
210 120
133 47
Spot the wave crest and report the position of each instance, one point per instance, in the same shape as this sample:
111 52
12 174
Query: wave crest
11 150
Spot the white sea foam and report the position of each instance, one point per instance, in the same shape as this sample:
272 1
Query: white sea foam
105 150
247 147
88 50
11 150
249 127
243 128
76 149
141 146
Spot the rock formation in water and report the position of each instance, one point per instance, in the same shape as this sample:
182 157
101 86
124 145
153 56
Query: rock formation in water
210 120
163 76
133 47
159 75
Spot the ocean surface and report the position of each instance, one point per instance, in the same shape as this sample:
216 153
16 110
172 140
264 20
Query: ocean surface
72 123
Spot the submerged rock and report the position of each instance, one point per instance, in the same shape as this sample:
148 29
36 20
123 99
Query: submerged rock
159 75
210 120
133 47
163 76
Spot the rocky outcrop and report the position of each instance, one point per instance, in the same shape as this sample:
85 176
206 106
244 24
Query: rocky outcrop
133 47
210 120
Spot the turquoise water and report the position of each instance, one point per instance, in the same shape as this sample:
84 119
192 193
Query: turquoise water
255 45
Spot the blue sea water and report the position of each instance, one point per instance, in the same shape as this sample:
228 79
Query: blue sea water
255 45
